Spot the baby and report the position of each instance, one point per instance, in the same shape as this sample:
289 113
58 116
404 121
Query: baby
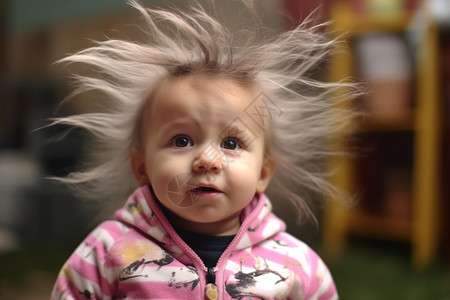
199 128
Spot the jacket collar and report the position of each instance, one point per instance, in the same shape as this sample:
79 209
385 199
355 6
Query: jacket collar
143 212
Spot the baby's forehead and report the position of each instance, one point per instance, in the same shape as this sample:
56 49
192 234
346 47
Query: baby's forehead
205 100
206 83
215 94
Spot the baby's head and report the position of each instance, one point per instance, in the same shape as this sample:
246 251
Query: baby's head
203 155
201 118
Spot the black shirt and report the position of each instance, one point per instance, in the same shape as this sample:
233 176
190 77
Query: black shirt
208 247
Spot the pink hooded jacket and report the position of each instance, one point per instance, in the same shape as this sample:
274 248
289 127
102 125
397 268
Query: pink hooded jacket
140 256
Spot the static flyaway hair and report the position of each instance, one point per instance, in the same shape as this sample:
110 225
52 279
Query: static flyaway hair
302 110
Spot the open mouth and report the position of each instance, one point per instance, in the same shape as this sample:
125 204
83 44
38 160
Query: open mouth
204 189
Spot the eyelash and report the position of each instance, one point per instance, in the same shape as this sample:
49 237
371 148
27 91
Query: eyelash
190 143
175 139
238 141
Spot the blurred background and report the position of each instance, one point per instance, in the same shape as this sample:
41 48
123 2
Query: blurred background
393 242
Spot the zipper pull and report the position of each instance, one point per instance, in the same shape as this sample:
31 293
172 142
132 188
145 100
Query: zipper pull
211 290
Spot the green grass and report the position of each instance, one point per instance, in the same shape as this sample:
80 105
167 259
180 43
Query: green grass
29 275
383 271
17 265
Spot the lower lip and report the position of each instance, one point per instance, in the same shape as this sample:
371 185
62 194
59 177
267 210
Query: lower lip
205 194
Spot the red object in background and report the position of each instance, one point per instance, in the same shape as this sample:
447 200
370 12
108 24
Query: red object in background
445 216
412 5
299 10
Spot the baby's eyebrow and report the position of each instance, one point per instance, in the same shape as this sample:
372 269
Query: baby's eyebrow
179 123
240 128
233 130
171 128
244 133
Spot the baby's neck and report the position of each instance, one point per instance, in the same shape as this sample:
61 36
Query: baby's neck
229 226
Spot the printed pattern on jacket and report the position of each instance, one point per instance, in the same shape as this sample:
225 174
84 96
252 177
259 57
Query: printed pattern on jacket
140 256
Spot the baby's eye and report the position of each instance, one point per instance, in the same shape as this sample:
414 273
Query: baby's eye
181 141
231 144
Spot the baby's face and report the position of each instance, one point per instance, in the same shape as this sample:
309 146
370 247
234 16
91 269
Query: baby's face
201 153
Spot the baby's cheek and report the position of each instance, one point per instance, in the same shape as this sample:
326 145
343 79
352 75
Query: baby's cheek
246 170
169 175
164 166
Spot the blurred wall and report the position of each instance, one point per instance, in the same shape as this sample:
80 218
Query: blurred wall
37 211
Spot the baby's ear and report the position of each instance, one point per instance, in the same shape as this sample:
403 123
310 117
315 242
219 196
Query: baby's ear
268 169
138 165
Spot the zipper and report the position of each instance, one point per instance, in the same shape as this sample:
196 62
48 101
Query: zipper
211 291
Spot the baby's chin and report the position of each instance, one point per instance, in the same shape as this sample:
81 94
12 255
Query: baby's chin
205 223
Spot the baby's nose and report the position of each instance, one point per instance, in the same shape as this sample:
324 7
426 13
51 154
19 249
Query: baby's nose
208 160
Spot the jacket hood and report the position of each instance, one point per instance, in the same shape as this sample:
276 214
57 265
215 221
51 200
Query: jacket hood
143 212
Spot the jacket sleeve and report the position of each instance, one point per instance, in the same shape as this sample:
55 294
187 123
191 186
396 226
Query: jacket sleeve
315 281
311 279
83 276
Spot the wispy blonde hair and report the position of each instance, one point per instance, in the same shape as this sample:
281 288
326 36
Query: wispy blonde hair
194 42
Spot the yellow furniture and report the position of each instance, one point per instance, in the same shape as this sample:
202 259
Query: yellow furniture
341 219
